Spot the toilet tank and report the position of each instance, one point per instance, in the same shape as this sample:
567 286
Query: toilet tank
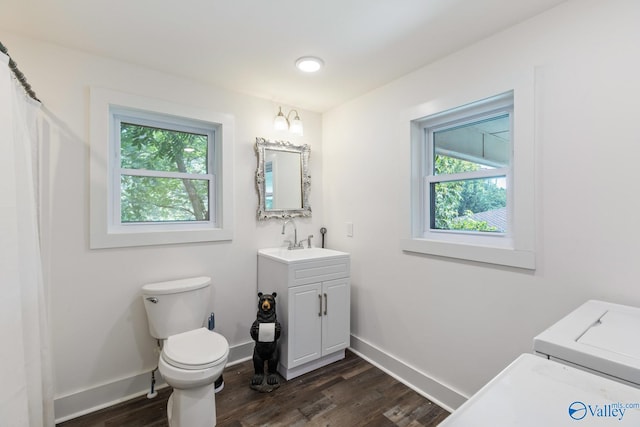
176 306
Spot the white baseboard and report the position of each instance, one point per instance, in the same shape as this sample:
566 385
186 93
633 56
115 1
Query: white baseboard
92 399
102 396
240 353
440 394
291 373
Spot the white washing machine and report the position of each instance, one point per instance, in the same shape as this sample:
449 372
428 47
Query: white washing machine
599 337
536 392
589 374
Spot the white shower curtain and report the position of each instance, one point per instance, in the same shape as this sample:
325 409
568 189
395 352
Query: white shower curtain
26 389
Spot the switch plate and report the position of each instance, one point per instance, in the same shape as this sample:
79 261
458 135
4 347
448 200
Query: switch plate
349 229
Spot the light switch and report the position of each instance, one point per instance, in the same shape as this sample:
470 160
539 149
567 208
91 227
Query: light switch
349 229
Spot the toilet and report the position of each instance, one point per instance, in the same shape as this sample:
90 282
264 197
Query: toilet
192 356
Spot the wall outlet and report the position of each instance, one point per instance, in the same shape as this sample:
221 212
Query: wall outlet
349 229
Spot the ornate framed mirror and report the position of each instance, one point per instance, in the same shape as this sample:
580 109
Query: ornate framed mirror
282 179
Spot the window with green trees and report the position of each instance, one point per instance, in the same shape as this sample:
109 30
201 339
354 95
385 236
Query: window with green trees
472 174
165 171
160 172
468 174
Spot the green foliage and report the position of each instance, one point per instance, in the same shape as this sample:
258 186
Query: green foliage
469 224
457 201
449 165
481 196
157 199
150 199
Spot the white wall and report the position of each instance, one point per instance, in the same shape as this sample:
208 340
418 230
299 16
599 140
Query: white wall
100 337
460 323
455 323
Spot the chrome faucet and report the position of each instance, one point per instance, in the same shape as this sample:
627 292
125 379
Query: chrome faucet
295 244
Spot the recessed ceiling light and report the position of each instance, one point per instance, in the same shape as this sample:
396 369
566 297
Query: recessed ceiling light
309 64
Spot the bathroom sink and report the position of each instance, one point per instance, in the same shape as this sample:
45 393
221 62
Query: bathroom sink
282 254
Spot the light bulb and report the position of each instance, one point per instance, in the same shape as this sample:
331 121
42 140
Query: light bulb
296 126
280 122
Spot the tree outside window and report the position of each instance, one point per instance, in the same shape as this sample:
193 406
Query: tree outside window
164 174
468 176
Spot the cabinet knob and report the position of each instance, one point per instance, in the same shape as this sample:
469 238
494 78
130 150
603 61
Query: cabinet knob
320 302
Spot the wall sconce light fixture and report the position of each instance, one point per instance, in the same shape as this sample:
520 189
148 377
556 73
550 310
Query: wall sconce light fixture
282 122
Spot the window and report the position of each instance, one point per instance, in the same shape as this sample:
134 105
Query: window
159 173
468 170
466 200
163 170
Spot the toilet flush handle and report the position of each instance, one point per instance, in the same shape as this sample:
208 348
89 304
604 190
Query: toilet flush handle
152 299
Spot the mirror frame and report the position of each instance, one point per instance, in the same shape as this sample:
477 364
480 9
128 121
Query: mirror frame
263 144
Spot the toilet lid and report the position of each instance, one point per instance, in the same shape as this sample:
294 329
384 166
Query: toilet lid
196 349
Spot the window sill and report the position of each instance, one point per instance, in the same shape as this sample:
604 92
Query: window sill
102 240
486 254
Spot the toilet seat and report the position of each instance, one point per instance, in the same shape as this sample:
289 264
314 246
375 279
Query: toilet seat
196 349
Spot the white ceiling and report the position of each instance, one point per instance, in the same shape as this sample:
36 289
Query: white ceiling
250 46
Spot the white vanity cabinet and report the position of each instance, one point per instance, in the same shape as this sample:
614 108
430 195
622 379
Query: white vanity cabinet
313 306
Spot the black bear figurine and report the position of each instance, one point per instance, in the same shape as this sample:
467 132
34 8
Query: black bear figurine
265 331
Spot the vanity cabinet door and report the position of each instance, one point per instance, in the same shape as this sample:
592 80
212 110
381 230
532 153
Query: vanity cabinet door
335 315
305 324
313 306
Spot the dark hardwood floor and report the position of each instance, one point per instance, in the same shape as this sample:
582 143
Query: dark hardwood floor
347 393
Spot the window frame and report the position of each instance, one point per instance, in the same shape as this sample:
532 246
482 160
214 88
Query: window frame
118 115
487 108
107 110
516 248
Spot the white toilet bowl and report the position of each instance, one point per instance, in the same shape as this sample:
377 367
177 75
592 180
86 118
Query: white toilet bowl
190 362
